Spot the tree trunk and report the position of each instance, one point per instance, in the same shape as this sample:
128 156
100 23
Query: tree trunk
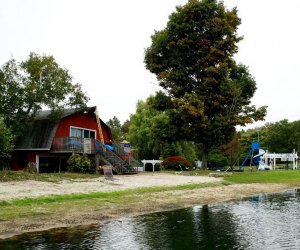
204 159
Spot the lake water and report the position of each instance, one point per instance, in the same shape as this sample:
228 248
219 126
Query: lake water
260 222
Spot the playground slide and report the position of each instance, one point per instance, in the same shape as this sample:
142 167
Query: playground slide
261 152
262 166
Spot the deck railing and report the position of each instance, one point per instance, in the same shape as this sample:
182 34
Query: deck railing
73 144
118 158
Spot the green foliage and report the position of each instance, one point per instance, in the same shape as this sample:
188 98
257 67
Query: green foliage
272 176
185 149
36 83
156 133
217 159
125 128
193 59
78 163
150 130
6 141
8 175
170 149
116 129
282 136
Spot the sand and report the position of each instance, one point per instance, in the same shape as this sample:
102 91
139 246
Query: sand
86 212
18 190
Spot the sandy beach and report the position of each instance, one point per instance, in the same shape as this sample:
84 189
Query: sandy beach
26 189
91 211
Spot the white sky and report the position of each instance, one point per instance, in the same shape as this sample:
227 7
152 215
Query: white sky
102 44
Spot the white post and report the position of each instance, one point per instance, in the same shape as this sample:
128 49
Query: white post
37 163
294 160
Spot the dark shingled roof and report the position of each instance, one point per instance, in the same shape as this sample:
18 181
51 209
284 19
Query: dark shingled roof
41 134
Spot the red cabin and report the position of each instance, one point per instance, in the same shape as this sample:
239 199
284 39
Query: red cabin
51 141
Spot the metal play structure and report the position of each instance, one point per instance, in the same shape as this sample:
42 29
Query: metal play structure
265 160
253 155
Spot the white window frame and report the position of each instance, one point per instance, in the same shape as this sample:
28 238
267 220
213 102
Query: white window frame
83 131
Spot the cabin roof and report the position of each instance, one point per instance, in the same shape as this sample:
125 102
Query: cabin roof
42 132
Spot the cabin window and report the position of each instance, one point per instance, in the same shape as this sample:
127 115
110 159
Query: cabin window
82 133
92 134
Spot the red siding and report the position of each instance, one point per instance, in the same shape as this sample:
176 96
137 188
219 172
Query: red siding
81 120
20 159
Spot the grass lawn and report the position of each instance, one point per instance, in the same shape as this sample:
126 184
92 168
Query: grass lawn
272 176
7 175
120 202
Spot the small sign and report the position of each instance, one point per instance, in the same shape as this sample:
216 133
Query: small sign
127 147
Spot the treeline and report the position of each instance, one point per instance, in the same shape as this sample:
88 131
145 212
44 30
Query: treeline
280 137
154 135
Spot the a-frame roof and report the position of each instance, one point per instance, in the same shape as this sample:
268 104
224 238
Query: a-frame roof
41 134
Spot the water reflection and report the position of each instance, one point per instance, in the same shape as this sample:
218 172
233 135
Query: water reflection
260 222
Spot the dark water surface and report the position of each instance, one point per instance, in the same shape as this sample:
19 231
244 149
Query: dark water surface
260 222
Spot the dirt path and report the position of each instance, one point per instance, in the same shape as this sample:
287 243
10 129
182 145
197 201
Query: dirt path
90 212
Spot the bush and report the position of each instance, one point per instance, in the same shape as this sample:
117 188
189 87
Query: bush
216 160
173 162
78 163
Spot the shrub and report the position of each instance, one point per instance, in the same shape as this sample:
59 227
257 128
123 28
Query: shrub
173 162
217 160
78 163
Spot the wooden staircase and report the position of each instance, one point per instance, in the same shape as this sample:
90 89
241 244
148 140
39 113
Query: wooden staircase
109 157
133 163
120 161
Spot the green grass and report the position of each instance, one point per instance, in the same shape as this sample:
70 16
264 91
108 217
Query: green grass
49 205
273 176
46 206
7 175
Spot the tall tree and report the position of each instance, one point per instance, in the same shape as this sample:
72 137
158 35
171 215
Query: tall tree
6 141
282 138
116 129
296 134
144 134
39 82
154 133
193 60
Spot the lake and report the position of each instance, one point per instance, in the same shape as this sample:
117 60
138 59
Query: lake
261 222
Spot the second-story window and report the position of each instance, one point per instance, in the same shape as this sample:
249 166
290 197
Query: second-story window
82 133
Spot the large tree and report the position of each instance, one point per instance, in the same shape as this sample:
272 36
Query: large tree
193 60
149 129
6 141
154 133
39 82
116 129
283 137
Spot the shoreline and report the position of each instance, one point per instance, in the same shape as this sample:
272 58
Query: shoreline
93 211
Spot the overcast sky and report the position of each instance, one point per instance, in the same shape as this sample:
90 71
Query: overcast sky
102 44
